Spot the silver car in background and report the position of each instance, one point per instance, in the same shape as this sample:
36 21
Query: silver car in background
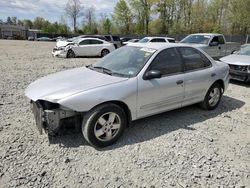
239 64
133 82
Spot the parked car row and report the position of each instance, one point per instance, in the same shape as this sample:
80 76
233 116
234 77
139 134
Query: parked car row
213 44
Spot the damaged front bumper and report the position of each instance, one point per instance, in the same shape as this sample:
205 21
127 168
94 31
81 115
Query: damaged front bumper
59 53
48 119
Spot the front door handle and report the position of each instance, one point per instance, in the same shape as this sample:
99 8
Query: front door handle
179 82
213 74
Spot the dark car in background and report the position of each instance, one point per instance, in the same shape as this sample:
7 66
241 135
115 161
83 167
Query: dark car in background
114 39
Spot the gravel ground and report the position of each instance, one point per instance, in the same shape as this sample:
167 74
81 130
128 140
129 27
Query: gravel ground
188 147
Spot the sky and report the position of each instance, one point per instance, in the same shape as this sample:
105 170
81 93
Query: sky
51 10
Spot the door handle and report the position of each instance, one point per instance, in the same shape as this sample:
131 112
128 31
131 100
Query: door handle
179 82
219 47
213 74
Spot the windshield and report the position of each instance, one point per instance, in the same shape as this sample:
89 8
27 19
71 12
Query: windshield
144 40
126 61
245 50
197 39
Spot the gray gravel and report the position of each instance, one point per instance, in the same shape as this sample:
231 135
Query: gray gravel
188 147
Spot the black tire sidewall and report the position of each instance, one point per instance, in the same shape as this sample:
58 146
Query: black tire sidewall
92 116
105 53
206 101
70 52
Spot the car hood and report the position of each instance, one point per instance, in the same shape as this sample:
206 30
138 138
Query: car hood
63 43
236 59
63 84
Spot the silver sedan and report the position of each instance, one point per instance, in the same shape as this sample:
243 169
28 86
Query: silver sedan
133 82
239 64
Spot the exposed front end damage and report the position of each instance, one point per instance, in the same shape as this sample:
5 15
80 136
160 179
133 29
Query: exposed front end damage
51 116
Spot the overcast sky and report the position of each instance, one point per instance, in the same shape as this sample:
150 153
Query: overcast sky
51 10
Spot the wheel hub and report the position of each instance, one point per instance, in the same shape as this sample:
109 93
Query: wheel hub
107 126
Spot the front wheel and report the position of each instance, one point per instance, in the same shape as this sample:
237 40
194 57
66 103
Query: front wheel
212 98
71 54
103 125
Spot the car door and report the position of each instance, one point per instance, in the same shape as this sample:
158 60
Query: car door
165 93
95 47
214 49
222 46
198 74
83 48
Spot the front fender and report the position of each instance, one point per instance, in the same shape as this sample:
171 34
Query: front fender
125 92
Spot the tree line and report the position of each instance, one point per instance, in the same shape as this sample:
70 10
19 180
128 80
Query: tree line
144 17
182 16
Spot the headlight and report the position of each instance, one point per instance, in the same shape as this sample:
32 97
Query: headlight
61 48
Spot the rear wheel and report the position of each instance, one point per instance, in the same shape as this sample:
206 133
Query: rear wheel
104 52
213 97
71 54
103 125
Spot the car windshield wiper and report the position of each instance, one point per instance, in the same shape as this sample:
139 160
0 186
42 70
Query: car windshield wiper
106 71
103 69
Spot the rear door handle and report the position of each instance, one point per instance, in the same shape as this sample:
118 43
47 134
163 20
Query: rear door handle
213 74
179 82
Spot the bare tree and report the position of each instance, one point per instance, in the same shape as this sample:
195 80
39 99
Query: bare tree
90 18
73 10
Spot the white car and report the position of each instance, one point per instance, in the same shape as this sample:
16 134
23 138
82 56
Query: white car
83 47
157 39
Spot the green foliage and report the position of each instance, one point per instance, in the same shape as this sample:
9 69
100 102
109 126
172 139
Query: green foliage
122 16
157 17
107 26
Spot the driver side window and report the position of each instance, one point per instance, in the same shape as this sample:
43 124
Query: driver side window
167 62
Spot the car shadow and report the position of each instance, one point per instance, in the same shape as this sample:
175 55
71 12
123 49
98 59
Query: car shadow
240 83
152 127
89 57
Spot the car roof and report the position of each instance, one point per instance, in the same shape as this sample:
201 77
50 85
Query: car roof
158 45
210 34
158 37
91 38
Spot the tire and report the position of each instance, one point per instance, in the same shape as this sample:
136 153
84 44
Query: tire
103 125
212 98
71 54
104 52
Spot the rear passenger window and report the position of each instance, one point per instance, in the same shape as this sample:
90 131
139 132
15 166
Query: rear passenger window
84 42
221 40
158 40
171 40
116 38
193 59
108 37
96 42
168 62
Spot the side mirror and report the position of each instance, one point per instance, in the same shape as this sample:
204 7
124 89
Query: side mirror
214 43
152 74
